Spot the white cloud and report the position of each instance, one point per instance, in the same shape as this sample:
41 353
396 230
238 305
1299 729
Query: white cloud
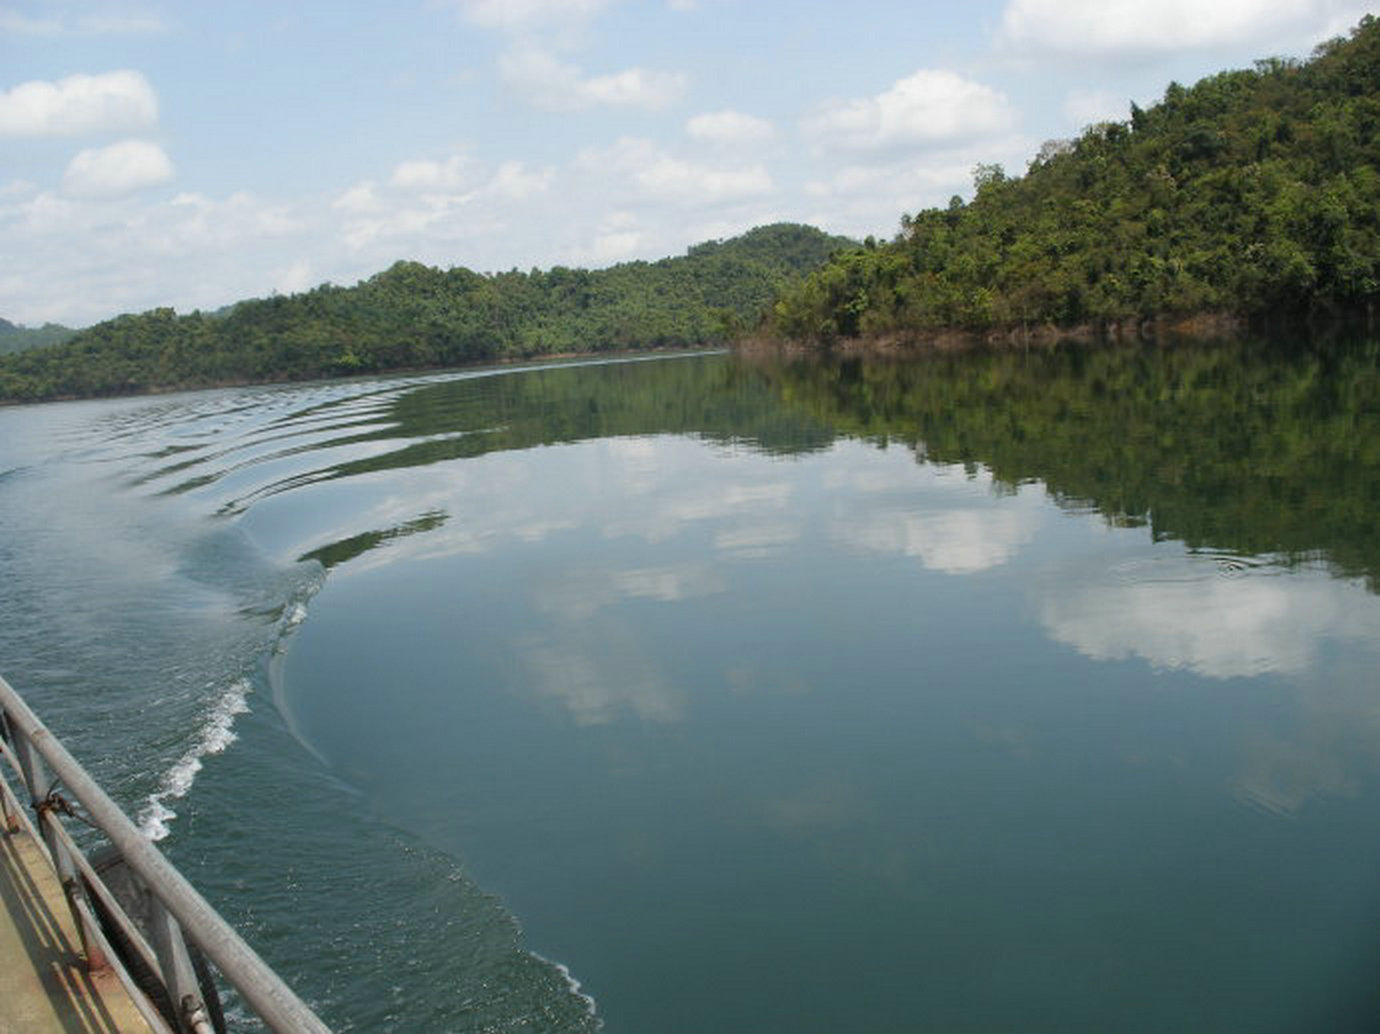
927 109
427 207
1088 107
17 188
868 197
610 246
522 14
120 168
297 276
110 22
514 181
1131 27
190 222
657 175
116 102
559 86
361 197
730 129
138 251
426 175
14 23
669 179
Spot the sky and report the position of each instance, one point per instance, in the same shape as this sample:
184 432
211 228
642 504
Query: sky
156 153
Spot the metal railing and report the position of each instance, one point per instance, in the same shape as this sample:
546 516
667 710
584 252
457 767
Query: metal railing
176 915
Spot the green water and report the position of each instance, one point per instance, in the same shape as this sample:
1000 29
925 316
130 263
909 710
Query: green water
993 693
758 730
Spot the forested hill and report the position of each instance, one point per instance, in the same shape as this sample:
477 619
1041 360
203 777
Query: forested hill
1253 192
414 316
14 338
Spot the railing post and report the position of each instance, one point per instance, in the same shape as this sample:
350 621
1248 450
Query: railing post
92 943
37 781
40 784
179 977
11 813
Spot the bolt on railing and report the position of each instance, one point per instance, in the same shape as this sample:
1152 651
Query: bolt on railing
178 914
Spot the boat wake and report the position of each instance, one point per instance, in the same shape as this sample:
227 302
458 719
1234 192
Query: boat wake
217 733
217 729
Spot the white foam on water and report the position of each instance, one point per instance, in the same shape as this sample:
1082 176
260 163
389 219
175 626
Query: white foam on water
573 986
295 614
217 733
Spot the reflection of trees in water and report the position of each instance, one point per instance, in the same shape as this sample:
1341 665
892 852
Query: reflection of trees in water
1221 447
711 397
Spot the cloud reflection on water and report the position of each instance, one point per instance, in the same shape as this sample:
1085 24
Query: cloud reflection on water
700 512
1188 617
945 516
597 683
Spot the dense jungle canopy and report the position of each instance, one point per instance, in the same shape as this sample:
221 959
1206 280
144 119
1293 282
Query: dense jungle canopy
1254 192
413 316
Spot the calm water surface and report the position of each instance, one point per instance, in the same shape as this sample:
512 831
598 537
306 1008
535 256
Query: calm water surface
997 693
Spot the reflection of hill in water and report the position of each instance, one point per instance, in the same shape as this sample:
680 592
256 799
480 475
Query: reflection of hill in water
711 397
1220 447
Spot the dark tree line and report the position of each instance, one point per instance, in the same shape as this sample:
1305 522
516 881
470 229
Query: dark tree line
413 316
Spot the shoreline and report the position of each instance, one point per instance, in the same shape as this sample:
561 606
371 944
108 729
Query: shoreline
397 371
1203 327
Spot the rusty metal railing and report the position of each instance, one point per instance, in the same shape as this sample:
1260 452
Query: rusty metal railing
176 916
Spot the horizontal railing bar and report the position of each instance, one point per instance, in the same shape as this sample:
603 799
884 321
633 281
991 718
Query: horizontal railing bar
261 988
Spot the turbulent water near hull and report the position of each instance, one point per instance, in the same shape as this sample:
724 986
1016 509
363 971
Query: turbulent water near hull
1020 693
143 624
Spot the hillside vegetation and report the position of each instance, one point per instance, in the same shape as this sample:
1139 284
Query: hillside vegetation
1253 192
14 338
414 316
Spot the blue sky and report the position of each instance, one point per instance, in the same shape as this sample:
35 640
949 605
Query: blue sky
192 154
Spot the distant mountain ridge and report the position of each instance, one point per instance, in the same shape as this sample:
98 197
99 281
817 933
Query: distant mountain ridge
16 338
413 316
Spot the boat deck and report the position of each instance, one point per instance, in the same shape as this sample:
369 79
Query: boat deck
44 985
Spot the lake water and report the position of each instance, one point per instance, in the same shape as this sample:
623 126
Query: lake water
990 693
